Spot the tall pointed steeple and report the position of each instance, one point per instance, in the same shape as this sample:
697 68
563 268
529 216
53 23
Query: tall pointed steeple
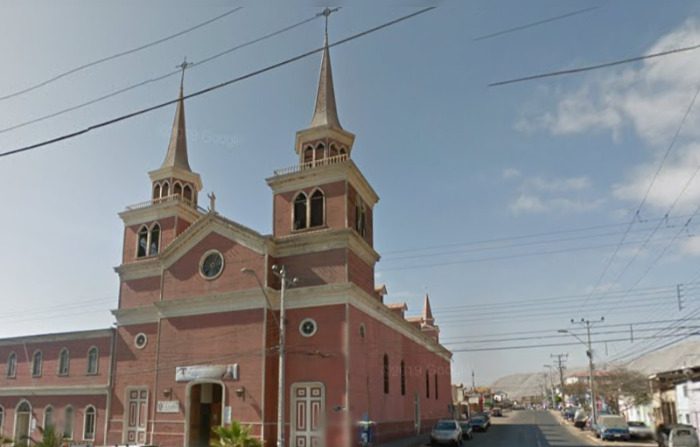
176 157
325 138
427 311
175 179
325 112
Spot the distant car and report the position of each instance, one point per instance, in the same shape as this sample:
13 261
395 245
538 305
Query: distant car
569 413
677 436
479 423
640 430
496 412
467 431
612 427
446 432
580 418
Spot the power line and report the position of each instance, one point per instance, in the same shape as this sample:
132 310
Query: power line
118 55
537 23
211 88
595 67
157 78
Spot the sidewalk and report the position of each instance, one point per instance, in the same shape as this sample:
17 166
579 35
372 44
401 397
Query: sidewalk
414 441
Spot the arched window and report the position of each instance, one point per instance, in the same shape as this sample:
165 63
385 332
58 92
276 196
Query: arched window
68 422
37 359
386 374
156 191
316 208
165 192
154 243
142 247
360 217
436 387
89 423
308 154
403 378
319 153
427 385
187 193
342 151
177 189
23 417
63 362
48 417
11 370
333 151
300 211
2 420
92 360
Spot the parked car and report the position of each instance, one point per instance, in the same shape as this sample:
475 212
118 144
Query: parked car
467 431
496 412
611 427
569 413
446 432
479 423
580 418
677 436
640 430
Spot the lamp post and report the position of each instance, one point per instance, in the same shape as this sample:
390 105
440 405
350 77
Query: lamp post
551 383
589 353
281 273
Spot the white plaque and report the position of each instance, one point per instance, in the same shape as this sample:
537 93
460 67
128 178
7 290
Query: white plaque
227 415
218 372
168 406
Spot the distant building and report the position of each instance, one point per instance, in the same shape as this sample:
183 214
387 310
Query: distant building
196 340
676 398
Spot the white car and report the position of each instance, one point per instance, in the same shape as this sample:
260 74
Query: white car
640 430
446 432
679 436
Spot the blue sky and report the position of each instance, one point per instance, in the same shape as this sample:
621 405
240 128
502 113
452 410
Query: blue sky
453 160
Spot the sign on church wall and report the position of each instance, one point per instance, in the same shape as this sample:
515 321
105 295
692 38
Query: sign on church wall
198 372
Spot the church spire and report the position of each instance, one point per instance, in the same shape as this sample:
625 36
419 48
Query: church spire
427 311
176 157
325 112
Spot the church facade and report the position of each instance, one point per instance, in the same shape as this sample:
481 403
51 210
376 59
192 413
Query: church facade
197 341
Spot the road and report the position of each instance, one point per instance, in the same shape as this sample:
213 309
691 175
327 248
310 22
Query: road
534 429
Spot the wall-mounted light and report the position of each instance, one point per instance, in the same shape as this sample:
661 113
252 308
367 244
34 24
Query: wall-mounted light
240 392
168 392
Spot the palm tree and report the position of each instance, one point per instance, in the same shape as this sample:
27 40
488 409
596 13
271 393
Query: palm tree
234 436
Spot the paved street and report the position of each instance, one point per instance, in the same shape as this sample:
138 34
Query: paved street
535 429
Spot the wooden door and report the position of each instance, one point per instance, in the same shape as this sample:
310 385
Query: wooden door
136 416
308 415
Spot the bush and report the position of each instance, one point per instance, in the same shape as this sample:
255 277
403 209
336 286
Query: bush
235 436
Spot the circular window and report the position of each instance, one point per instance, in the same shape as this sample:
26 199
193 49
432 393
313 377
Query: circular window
308 327
140 340
211 265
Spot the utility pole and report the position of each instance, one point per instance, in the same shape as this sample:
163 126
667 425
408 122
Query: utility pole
591 373
281 273
560 365
473 381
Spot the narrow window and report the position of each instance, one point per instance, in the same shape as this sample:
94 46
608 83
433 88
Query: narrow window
403 379
308 154
386 374
68 416
436 387
92 361
155 240
317 208
156 191
63 362
165 192
333 151
319 153
427 385
342 151
2 419
300 211
177 189
11 365
89 424
360 217
143 243
36 364
48 417
188 193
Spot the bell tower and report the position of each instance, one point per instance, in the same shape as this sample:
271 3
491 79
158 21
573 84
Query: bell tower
153 225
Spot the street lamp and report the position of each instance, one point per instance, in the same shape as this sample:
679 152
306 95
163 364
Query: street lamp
589 353
280 272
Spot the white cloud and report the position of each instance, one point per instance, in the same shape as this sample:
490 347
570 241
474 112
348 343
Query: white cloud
650 99
563 195
509 173
690 246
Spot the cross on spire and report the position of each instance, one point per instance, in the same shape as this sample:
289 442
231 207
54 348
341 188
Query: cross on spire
326 13
183 66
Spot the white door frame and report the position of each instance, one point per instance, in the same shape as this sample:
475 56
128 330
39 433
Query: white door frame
29 421
293 412
188 403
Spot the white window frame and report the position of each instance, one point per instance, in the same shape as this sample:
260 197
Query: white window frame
12 356
48 409
41 363
60 358
72 422
97 361
94 423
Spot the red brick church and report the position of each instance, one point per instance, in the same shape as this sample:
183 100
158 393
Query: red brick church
196 340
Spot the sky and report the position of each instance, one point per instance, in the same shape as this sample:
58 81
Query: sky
505 204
